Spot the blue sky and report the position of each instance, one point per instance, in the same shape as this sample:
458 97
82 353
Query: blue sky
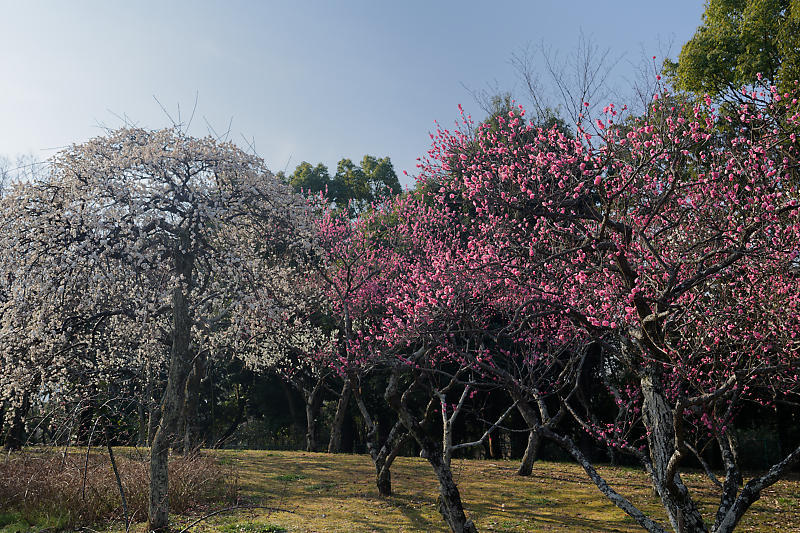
313 81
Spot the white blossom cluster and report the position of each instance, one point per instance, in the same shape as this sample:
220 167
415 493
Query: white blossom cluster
283 324
91 254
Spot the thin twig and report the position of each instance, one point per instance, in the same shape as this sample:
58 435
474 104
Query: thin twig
86 462
119 480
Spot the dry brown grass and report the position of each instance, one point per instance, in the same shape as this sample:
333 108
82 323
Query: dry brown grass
46 489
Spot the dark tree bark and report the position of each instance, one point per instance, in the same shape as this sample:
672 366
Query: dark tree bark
141 437
385 457
751 492
530 455
450 504
15 437
382 455
534 441
180 365
297 423
192 429
658 419
313 402
335 442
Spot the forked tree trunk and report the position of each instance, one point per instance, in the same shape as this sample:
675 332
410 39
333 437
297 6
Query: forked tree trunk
335 442
385 457
180 365
658 419
726 522
383 480
450 504
382 455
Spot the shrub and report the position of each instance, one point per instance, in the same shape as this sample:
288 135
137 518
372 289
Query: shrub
48 489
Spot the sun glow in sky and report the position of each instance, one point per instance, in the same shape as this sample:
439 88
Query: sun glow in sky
302 80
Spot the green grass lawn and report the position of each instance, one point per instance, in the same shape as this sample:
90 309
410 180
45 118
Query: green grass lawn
321 492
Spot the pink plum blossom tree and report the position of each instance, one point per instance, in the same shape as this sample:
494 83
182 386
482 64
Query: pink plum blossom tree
668 240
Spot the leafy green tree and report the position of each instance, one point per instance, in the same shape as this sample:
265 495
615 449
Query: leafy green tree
349 183
310 179
380 177
353 187
738 41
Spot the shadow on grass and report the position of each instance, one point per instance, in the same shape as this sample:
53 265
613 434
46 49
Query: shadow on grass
407 505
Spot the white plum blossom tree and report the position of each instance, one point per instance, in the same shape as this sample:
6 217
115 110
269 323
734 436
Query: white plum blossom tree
152 231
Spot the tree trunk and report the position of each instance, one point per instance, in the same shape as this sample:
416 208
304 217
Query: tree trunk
141 438
335 442
2 424
504 437
385 458
751 492
534 441
153 418
297 423
382 455
180 365
312 411
144 408
383 480
530 455
191 438
612 456
176 444
450 505
15 437
658 419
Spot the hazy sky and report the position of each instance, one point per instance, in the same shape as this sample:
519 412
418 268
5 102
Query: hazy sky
313 81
